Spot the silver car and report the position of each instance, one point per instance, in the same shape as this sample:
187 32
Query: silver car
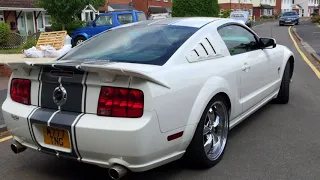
241 16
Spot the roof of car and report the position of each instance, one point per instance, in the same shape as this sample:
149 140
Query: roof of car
196 22
236 12
120 11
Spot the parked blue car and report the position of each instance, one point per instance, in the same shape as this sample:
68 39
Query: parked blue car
104 22
289 17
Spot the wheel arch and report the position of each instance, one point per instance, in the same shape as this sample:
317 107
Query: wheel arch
288 57
291 61
206 94
79 35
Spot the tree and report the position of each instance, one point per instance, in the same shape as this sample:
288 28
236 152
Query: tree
189 8
4 32
65 11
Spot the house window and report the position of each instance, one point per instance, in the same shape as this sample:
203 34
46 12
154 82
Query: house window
47 20
1 16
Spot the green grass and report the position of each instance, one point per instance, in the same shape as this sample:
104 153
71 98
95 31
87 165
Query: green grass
11 51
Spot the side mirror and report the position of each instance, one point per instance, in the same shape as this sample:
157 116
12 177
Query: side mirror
268 43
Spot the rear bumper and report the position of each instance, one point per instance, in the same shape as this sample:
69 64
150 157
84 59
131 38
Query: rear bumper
136 144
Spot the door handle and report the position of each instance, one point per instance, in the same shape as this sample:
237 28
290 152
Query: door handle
245 67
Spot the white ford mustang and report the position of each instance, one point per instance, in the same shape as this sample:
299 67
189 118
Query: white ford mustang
148 93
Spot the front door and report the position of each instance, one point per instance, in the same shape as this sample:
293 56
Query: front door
40 22
30 23
243 44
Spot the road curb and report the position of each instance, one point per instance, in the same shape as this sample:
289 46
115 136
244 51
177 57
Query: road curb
316 57
296 34
306 46
3 127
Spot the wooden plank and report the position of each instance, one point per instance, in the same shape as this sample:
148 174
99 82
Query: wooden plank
55 39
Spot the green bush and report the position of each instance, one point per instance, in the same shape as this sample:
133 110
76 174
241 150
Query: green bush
267 17
190 8
315 19
4 33
77 23
29 43
226 14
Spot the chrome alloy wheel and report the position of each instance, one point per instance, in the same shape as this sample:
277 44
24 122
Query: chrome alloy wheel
80 41
215 130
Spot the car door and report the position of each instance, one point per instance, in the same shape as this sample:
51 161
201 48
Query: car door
274 63
103 23
243 44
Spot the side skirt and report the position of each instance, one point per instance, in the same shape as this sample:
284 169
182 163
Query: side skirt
246 114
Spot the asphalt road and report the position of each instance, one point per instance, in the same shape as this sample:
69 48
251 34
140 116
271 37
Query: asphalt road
311 34
3 95
277 142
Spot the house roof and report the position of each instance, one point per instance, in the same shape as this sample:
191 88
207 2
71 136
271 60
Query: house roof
266 6
157 9
17 3
118 7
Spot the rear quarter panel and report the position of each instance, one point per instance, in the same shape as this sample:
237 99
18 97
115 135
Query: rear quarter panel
192 86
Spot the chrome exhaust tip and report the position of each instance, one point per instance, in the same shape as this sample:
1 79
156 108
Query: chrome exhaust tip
117 172
16 147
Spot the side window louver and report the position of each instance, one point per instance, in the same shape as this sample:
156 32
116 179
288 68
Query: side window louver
202 50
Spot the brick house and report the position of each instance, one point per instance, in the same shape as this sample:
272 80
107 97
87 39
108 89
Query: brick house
23 17
153 6
264 8
235 5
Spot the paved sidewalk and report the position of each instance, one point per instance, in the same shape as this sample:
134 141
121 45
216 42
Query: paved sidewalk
310 33
6 58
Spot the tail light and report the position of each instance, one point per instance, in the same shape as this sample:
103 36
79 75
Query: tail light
20 91
120 102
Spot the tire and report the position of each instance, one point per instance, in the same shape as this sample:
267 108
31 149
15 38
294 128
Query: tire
280 24
297 23
196 154
79 39
284 92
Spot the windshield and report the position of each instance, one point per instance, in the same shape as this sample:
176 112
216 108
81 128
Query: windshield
289 14
153 44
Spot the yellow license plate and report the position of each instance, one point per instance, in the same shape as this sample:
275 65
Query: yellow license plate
56 137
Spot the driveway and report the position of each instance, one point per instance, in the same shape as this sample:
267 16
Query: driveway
310 33
277 142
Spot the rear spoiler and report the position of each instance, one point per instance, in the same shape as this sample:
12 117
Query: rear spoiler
106 73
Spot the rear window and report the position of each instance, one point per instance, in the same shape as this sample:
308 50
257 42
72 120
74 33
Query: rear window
141 16
152 44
